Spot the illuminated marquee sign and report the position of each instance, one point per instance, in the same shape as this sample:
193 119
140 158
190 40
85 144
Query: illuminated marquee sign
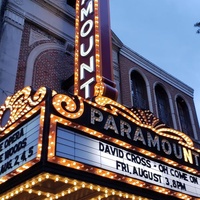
128 126
86 55
20 147
143 138
92 42
101 137
21 125
130 145
90 151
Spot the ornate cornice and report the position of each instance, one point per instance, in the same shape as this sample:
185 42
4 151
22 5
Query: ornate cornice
160 73
14 18
21 106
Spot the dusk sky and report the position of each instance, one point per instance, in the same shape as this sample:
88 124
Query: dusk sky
163 32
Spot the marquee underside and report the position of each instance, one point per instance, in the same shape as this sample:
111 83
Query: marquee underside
50 186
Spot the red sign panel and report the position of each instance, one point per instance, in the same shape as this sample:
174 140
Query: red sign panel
86 48
92 42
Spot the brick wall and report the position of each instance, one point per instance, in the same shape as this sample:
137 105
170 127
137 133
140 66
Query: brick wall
51 67
127 65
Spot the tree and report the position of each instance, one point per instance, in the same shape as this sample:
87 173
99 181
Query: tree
197 25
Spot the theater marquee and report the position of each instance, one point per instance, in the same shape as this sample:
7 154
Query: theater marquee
102 137
20 147
21 126
89 132
127 145
83 149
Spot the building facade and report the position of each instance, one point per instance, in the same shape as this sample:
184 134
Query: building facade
37 40
152 88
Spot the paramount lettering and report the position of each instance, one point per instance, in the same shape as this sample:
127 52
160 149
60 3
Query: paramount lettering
87 11
142 138
87 55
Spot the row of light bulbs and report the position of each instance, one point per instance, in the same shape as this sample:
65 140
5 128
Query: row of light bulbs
28 187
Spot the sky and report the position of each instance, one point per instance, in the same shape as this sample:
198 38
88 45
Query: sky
163 32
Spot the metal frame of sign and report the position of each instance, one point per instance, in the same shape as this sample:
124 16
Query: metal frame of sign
93 51
114 127
74 112
21 131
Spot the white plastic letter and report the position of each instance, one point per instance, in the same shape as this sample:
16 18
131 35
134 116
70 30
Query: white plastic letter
84 33
82 48
86 86
85 12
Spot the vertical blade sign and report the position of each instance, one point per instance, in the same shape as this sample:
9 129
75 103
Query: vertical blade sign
93 73
87 55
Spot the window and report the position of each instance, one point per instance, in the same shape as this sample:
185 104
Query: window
163 107
139 92
184 116
71 3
